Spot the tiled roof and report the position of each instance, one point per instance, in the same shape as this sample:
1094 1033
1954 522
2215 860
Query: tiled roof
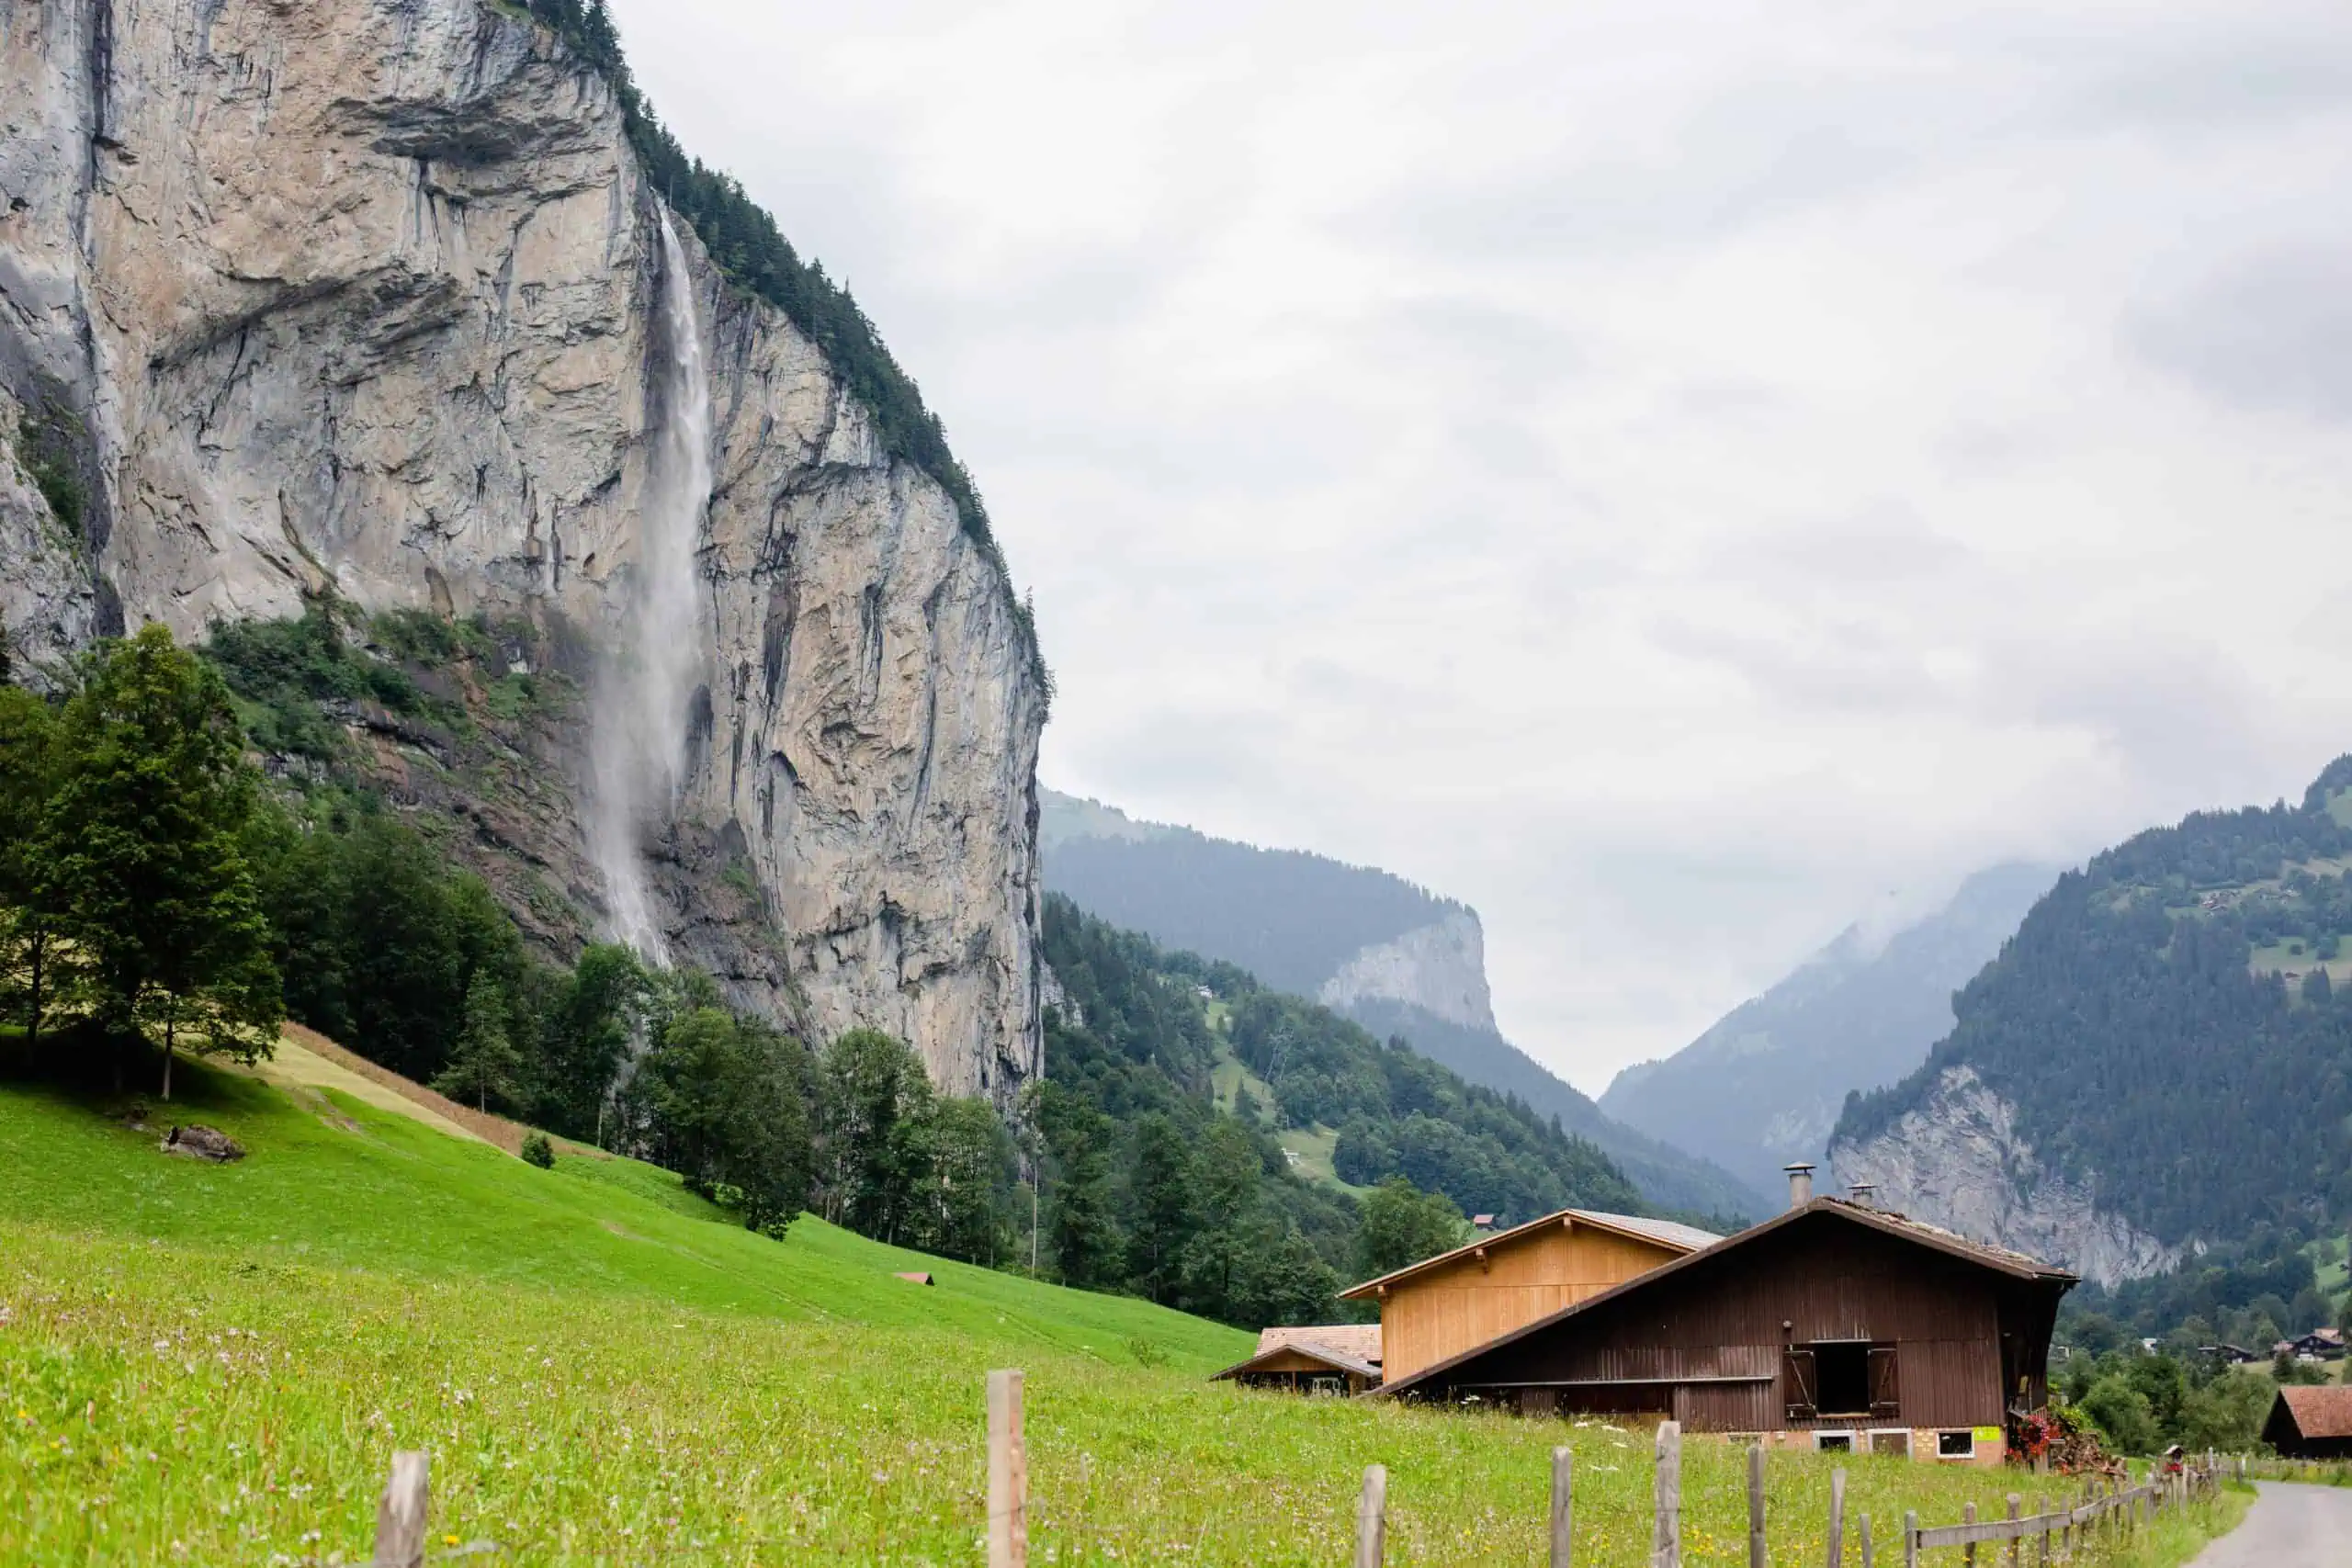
1313 1342
2321 1412
1357 1341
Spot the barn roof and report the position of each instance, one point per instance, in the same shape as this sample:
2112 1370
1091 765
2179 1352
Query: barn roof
2325 1411
2016 1265
1662 1233
1337 1360
1359 1341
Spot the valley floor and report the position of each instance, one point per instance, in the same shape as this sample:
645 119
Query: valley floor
213 1364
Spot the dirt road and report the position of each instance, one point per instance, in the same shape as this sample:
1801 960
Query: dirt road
2289 1526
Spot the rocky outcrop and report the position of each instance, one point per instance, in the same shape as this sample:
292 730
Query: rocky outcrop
1440 968
1958 1161
357 295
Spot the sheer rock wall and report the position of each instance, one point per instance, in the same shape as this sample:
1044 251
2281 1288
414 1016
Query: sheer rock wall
360 294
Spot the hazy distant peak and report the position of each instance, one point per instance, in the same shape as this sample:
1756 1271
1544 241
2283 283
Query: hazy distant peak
1764 1084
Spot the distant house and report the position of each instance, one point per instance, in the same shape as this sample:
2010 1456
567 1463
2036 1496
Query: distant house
2319 1345
1832 1326
1482 1223
1444 1305
2310 1423
2231 1355
1336 1357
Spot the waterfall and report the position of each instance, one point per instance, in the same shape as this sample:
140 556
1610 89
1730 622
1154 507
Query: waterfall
643 686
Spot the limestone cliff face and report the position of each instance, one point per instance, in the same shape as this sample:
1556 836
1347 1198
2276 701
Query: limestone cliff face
1960 1162
1440 968
359 294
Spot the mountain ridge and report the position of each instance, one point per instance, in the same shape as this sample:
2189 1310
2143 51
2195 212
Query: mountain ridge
1383 952
2164 1047
1763 1086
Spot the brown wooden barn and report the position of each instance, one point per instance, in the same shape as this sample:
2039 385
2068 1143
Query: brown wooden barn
1832 1325
2310 1423
1449 1304
1335 1357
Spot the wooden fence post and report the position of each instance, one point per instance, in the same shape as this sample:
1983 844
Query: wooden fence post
1836 1518
1911 1538
2042 1512
1666 1541
401 1513
1562 1505
1008 1474
1757 1557
2016 1547
1372 1517
1968 1553
1868 1562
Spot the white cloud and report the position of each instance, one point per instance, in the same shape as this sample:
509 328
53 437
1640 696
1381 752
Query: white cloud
1665 473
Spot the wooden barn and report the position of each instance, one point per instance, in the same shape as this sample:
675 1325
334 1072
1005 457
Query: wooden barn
1444 1305
2310 1423
1832 1326
1334 1357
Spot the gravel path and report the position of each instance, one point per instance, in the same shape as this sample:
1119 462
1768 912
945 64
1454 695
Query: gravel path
2289 1526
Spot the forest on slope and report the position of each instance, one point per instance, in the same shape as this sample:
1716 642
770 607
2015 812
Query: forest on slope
1294 920
2173 1020
1134 1051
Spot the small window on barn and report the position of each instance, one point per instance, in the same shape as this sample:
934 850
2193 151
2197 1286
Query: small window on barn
1843 1376
1955 1445
1844 1368
1834 1442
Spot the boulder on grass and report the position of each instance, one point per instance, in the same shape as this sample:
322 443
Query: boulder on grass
203 1142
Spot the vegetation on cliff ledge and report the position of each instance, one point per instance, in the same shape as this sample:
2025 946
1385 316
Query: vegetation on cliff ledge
745 243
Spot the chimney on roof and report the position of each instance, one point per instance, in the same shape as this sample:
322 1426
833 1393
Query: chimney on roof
1860 1194
1800 1184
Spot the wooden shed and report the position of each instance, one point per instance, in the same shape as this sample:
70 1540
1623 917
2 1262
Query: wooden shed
1831 1326
1444 1305
1337 1358
2310 1423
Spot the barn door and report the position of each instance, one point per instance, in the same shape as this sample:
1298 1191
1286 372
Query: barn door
1886 1385
1804 1382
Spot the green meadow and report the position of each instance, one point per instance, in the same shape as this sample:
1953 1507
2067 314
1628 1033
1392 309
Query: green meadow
213 1365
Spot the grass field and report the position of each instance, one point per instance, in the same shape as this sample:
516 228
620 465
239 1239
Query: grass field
213 1365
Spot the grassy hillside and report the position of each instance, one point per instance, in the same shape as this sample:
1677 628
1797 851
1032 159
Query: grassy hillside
348 1185
213 1364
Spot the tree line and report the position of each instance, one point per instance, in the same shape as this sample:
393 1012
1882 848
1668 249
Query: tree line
158 902
1165 1172
160 898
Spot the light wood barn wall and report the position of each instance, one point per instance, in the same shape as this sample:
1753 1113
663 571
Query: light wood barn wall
1426 1319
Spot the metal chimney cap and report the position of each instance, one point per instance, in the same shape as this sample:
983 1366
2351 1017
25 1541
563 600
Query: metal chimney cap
1799 1166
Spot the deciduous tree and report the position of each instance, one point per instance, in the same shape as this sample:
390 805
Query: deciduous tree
144 839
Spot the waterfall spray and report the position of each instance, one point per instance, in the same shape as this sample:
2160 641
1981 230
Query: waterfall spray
638 721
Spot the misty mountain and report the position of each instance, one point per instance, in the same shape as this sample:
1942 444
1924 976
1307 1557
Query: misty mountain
1764 1086
1396 958
2160 1059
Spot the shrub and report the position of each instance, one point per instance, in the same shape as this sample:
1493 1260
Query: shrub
538 1151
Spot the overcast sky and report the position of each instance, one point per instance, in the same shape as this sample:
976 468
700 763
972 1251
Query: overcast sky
1676 476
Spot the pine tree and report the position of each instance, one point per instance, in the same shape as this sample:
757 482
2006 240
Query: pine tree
483 1062
143 840
1161 1192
